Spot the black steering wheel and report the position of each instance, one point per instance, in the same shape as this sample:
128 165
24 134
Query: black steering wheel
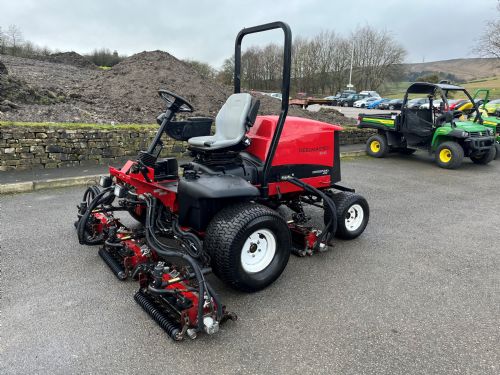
457 114
175 102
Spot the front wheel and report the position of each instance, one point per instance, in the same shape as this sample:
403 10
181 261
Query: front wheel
449 155
346 104
353 213
485 157
249 245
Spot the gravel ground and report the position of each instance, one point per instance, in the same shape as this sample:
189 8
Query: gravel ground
417 293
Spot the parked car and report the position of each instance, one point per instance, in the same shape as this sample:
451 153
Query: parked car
349 101
391 104
436 104
370 93
364 102
341 95
416 103
376 103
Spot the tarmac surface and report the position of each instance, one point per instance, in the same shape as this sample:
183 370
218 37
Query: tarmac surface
417 293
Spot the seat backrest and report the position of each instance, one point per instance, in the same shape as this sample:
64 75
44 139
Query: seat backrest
231 121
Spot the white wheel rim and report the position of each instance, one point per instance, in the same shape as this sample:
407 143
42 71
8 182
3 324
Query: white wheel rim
258 251
354 217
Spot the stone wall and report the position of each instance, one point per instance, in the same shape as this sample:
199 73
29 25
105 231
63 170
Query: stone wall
27 147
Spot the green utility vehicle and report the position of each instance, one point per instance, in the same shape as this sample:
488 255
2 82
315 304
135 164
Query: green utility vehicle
434 128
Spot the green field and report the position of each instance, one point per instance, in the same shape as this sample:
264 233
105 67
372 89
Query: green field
397 89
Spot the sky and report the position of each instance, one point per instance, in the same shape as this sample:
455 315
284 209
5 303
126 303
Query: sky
204 30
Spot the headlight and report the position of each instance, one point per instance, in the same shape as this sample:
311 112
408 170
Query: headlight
465 134
489 131
120 191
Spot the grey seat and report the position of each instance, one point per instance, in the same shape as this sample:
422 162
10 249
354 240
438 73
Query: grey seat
231 124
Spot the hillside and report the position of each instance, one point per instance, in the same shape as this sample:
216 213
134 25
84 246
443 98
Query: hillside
463 69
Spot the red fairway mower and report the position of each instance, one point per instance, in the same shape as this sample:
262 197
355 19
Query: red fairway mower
221 215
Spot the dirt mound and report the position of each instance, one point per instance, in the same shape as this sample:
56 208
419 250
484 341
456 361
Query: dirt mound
124 94
3 69
130 88
70 58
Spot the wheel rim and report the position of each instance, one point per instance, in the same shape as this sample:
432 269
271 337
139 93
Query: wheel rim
445 155
354 217
375 146
258 251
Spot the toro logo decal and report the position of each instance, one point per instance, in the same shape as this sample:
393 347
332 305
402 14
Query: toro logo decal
313 149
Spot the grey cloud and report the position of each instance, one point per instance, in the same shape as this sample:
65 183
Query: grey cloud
205 30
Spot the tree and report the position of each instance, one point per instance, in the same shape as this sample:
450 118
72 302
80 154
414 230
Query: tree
225 75
489 42
204 70
14 39
2 41
431 78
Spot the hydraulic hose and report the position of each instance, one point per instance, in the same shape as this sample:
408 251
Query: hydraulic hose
168 251
82 223
331 226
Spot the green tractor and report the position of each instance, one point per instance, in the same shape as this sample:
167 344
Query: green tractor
434 128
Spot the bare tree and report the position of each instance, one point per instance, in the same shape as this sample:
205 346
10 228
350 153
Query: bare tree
14 39
2 41
320 65
488 44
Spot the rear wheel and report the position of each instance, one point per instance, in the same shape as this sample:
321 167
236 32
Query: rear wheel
376 146
485 157
249 245
449 155
353 213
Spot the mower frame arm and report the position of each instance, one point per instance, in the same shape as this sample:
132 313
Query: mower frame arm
285 86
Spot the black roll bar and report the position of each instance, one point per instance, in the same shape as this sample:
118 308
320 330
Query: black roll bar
285 86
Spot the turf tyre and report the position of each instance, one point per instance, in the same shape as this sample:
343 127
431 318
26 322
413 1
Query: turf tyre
226 237
455 153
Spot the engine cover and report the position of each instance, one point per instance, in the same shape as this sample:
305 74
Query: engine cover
307 148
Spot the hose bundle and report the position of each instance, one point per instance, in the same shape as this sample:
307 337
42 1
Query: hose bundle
167 251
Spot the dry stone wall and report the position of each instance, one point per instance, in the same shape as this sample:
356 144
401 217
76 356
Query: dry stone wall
24 147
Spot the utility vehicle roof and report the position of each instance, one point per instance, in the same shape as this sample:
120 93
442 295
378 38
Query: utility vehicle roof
429 88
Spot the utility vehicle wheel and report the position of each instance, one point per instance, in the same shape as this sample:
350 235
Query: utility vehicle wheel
353 213
486 157
249 245
449 155
376 146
